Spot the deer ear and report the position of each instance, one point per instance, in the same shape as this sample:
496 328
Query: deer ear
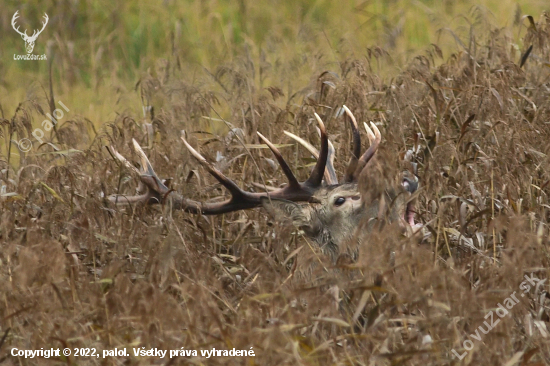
283 210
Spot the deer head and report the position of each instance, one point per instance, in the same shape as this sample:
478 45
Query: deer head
29 41
327 211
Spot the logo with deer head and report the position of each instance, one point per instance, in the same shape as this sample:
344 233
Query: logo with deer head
29 40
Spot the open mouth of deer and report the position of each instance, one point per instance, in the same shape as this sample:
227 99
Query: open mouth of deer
410 186
409 214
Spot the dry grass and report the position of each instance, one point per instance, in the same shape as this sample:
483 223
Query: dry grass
76 272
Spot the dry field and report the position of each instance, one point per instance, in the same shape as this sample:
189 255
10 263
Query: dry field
78 272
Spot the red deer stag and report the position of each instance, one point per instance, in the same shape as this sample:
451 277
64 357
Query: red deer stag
329 213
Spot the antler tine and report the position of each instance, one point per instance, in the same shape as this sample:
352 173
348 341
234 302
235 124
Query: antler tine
292 181
356 151
226 182
356 136
156 190
146 167
371 135
304 143
122 159
330 173
375 139
44 23
316 177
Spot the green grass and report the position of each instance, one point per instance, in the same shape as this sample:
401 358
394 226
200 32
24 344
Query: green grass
99 46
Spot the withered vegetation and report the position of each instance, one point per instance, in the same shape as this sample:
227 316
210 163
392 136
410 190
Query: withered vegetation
75 271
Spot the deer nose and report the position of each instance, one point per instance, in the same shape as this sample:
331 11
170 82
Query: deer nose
410 184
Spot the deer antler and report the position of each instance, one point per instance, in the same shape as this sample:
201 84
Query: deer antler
15 16
24 34
36 33
330 173
157 191
357 164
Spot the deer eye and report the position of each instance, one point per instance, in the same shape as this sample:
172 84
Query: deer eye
339 201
